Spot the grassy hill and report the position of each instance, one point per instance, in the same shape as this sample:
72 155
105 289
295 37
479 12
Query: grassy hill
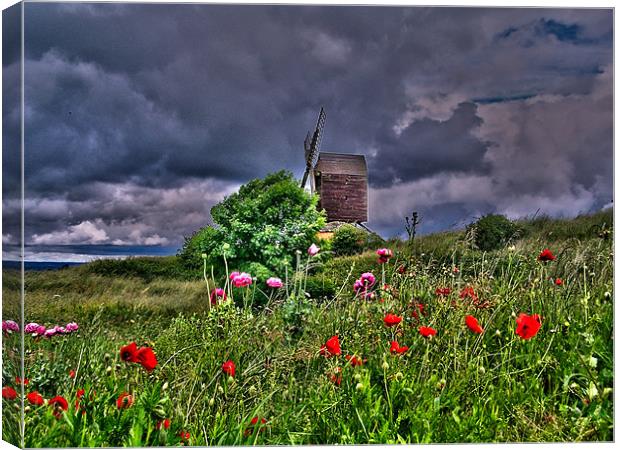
456 386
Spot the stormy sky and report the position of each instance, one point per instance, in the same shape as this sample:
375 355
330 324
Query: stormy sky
139 118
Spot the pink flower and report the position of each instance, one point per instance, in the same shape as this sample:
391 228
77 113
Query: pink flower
72 326
31 328
358 286
368 279
49 333
10 326
41 330
313 250
274 282
233 275
217 296
384 255
242 280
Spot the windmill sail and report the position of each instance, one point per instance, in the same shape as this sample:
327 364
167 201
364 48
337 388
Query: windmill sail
311 146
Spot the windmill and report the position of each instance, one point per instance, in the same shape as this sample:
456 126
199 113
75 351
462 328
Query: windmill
311 146
340 180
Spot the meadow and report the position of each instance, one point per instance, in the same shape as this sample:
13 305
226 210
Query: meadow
317 362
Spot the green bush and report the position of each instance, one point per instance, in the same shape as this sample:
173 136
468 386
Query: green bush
348 240
492 231
203 241
320 287
265 222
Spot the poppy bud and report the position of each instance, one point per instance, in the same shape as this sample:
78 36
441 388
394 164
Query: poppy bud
165 386
220 389
211 401
108 369
357 376
385 365
399 376
513 314
27 408
226 246
252 390
498 333
204 256
482 370
107 356
359 386
231 379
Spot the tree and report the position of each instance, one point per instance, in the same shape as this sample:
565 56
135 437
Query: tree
264 223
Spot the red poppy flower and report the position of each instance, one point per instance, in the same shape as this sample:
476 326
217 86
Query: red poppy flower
391 319
34 398
397 349
418 307
129 353
18 381
427 331
163 423
78 397
401 269
468 292
184 435
527 326
355 360
473 325
229 368
9 393
253 422
72 373
331 347
546 256
125 400
146 357
59 404
558 282
443 291
336 377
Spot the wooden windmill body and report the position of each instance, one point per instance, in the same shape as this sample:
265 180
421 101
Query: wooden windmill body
340 180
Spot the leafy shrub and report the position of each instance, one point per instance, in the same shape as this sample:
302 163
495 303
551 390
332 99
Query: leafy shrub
492 231
348 240
265 222
203 241
320 287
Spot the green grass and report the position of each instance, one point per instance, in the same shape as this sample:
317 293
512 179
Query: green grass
455 387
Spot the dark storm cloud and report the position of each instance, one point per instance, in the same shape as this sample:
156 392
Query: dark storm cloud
427 147
139 117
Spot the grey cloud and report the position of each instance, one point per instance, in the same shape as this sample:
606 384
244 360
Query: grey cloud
162 97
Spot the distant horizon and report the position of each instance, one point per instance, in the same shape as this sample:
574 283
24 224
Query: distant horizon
84 253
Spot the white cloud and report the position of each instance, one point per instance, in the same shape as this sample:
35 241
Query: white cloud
438 107
85 232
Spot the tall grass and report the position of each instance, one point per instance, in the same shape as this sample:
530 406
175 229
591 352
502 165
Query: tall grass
454 387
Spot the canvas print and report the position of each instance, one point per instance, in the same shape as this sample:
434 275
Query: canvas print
234 225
